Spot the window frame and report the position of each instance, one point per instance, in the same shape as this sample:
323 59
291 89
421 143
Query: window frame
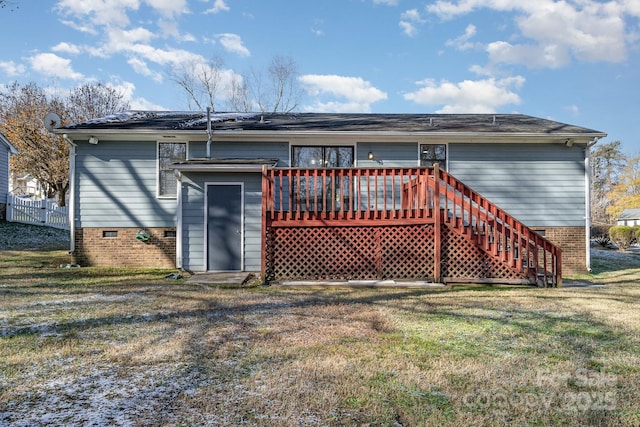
443 165
160 170
324 147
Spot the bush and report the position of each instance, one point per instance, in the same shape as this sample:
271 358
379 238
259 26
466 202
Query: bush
622 235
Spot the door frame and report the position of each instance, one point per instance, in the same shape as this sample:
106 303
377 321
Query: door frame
207 184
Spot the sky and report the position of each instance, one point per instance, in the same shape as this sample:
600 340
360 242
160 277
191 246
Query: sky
574 61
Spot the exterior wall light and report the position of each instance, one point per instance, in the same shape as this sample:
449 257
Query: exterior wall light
371 156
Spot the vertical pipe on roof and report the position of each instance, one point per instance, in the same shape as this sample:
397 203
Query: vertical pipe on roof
209 132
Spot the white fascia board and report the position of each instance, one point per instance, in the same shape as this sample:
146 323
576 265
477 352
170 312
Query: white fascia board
360 136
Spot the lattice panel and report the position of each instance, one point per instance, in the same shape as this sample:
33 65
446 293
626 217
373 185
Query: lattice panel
349 253
407 252
461 258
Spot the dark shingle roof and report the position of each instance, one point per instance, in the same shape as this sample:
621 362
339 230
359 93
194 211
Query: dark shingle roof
319 122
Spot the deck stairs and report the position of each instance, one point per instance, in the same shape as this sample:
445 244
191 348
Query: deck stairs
395 223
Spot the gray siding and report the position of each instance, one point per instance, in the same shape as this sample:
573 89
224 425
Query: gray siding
388 154
193 238
116 184
243 150
539 184
4 172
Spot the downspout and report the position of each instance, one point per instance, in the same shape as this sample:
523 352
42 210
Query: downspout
72 193
179 220
209 133
587 185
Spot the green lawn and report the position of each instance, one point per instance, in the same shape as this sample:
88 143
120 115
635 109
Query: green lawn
129 347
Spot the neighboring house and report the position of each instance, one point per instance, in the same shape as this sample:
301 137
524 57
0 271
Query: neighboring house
24 185
333 196
629 217
6 150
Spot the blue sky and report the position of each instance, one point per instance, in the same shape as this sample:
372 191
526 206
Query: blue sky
575 61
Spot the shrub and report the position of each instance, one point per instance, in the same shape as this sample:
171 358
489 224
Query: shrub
600 234
622 236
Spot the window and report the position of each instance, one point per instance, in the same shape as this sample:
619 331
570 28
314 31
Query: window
319 157
323 192
433 153
109 233
168 154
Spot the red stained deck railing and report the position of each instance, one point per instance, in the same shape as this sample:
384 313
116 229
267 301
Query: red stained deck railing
398 196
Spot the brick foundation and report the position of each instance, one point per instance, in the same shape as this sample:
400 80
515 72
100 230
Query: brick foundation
572 242
99 247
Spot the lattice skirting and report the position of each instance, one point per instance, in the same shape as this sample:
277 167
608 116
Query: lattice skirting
462 258
350 253
376 252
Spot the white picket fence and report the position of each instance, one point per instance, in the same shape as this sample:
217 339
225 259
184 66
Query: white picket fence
38 212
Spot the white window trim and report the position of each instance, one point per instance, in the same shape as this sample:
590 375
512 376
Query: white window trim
158 195
446 144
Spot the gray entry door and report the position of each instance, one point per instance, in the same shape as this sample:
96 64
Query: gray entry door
224 227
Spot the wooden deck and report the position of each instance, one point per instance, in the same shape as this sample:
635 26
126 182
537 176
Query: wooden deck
395 223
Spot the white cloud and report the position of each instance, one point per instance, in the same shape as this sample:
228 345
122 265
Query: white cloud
127 89
408 21
97 12
316 27
557 31
462 42
408 28
218 6
469 96
64 47
52 65
550 56
233 43
358 94
141 67
168 8
573 109
11 69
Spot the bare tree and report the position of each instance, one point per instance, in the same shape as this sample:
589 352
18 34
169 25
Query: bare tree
42 154
277 89
201 82
10 4
239 99
607 162
274 90
283 82
90 101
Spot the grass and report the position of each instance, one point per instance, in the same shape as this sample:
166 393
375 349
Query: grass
128 347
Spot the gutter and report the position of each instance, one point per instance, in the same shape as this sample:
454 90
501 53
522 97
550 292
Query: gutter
72 193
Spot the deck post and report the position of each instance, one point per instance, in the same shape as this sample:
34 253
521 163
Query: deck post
437 227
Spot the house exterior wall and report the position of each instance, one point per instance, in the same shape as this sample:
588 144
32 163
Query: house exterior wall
542 185
243 150
539 184
117 182
118 247
193 218
402 155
